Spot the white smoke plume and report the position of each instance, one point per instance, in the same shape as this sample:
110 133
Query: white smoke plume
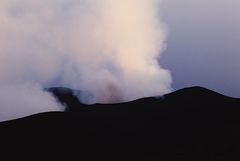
108 48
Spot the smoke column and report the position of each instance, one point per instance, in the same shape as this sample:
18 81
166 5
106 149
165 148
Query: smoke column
108 49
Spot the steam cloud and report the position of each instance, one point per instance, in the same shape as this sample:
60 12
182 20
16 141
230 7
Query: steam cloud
109 49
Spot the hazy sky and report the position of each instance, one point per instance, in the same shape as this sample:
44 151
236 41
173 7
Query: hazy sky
111 49
203 44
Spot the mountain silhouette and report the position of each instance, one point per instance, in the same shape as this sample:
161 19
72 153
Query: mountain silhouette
192 124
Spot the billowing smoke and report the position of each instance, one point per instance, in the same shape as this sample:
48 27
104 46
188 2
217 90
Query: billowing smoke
108 49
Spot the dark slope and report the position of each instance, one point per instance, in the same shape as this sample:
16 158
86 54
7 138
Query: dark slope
192 123
66 96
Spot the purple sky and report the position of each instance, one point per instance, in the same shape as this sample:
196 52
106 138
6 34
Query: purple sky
203 44
109 48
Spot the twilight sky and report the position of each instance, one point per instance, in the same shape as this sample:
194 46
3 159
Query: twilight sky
110 50
203 44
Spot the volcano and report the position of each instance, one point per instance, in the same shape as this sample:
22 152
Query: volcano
192 122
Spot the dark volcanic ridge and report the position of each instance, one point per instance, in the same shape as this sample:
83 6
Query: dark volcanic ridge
67 97
189 97
195 121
